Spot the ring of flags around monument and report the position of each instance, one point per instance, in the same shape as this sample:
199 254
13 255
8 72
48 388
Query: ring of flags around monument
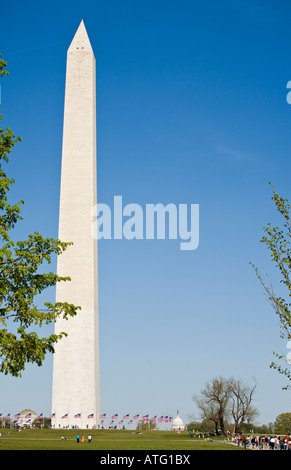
138 419
135 419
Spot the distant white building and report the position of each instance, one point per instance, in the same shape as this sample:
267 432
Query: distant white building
25 418
177 423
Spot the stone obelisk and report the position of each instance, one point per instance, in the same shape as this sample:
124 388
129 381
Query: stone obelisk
76 383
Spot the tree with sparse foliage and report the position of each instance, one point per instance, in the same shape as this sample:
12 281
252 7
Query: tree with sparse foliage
278 241
223 399
20 280
241 397
213 403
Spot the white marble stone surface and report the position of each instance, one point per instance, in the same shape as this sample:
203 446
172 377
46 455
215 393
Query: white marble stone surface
76 383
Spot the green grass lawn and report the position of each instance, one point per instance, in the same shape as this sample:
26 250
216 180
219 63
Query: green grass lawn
49 439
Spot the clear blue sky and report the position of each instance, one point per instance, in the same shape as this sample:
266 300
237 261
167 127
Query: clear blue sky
191 106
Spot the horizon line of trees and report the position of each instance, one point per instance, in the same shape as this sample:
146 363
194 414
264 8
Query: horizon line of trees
281 426
208 427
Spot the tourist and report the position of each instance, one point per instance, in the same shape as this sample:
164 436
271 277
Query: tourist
78 438
89 438
253 441
272 443
244 441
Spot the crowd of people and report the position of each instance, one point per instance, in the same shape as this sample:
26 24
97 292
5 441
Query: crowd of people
263 442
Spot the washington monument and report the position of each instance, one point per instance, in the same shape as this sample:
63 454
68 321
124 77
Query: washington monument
76 383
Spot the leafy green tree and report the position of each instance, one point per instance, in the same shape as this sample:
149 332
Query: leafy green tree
283 424
262 428
203 426
40 423
20 280
278 241
145 426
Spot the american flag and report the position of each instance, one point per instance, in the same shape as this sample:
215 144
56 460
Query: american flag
111 422
103 416
120 422
63 417
126 416
17 415
145 416
77 415
130 422
28 415
7 416
91 416
52 415
40 416
114 416
136 417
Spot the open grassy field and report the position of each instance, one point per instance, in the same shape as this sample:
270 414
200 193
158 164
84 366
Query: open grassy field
49 439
